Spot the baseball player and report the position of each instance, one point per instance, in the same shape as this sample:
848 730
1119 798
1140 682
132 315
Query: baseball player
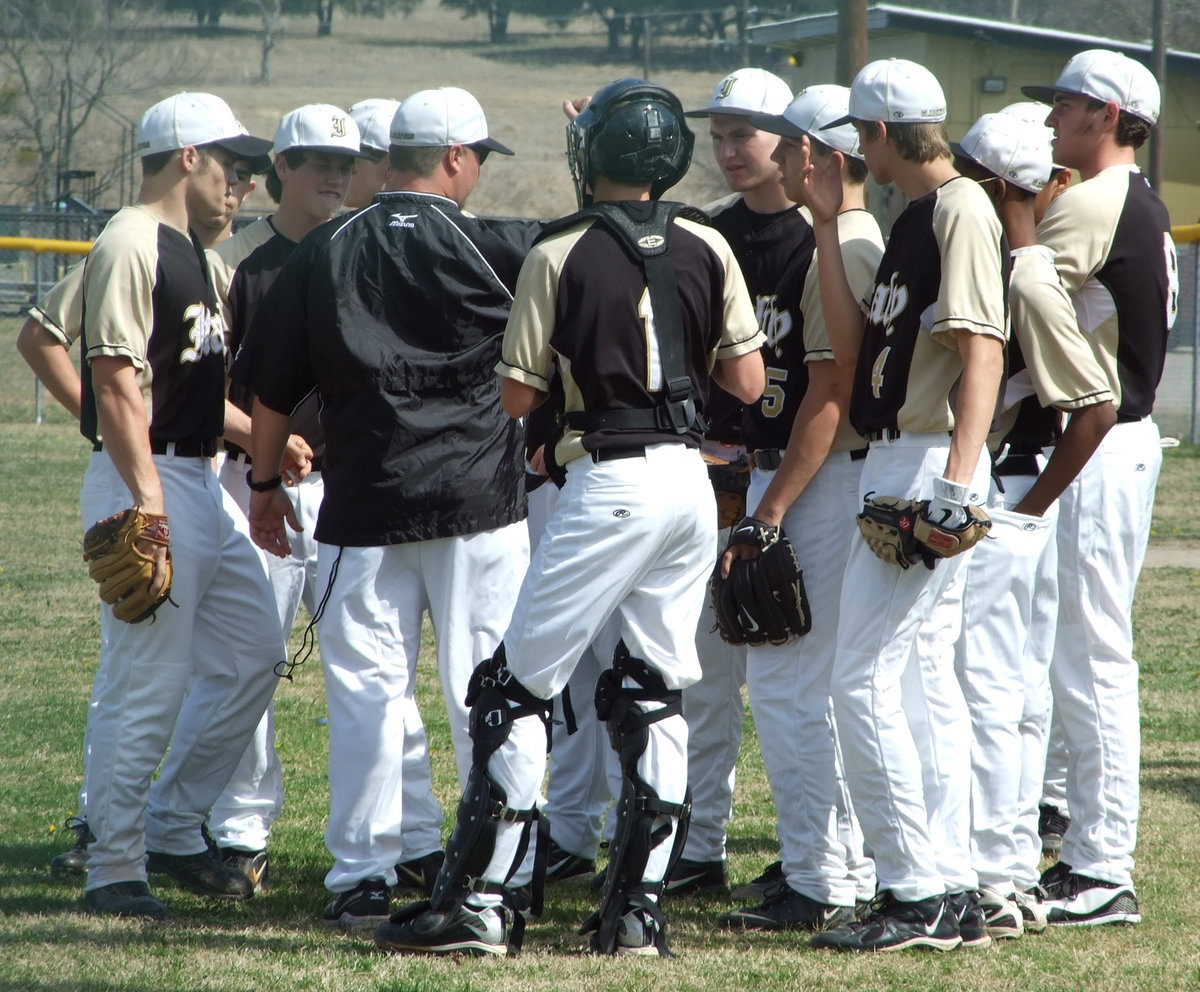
928 366
315 150
764 229
44 341
152 406
374 120
1051 368
394 315
629 332
1114 255
806 473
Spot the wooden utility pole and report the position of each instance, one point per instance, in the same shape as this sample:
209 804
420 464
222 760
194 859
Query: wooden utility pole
852 39
1159 68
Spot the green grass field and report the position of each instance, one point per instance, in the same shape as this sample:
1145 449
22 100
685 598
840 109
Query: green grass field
48 655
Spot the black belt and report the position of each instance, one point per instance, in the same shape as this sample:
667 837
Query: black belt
1128 418
889 434
610 454
180 449
1018 465
769 459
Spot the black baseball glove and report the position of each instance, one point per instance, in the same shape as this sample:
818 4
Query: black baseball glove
763 599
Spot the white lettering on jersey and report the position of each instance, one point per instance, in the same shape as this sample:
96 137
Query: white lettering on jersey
1172 279
889 303
775 324
402 220
207 334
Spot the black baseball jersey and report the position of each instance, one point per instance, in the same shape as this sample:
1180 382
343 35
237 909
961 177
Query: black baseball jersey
583 312
944 268
1111 238
394 315
244 269
148 297
772 251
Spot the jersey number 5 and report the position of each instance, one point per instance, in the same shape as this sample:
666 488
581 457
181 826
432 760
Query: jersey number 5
771 404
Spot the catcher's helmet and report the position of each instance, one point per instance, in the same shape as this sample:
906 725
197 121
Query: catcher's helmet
632 131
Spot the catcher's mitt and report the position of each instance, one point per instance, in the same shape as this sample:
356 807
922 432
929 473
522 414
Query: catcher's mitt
888 525
763 599
126 572
946 542
730 480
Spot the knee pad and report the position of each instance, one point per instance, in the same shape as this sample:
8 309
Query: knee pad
639 807
496 699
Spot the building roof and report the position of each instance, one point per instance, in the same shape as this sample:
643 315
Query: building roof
886 15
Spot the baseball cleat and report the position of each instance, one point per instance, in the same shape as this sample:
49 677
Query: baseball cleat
1033 911
128 899
972 927
74 861
562 865
361 909
688 877
896 926
637 934
1080 901
1052 824
757 888
419 874
1002 916
462 930
255 865
786 909
204 874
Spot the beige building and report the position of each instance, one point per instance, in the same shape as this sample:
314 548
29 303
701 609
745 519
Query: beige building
982 66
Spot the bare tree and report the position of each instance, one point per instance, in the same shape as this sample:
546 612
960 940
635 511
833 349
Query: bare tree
271 12
61 62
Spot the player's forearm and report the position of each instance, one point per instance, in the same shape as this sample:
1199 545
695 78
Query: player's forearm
843 317
983 369
237 426
51 364
269 432
1082 436
121 414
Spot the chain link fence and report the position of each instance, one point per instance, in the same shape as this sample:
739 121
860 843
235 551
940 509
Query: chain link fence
25 276
1175 409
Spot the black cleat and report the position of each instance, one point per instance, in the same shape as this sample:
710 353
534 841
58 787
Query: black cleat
786 909
74 861
562 865
363 908
124 899
688 877
205 874
1052 824
972 925
757 889
255 865
419 874
895 926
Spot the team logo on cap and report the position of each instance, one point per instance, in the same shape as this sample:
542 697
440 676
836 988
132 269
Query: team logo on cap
726 87
337 127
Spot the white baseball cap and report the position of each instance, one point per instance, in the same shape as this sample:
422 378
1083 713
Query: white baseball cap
896 91
1008 148
745 92
815 107
442 117
1033 113
1106 76
374 120
195 119
319 127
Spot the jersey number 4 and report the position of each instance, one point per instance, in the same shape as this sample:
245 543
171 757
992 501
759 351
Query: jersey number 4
877 372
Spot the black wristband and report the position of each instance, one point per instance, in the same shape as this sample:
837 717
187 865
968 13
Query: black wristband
266 485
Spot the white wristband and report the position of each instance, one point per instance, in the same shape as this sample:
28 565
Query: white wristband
951 492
